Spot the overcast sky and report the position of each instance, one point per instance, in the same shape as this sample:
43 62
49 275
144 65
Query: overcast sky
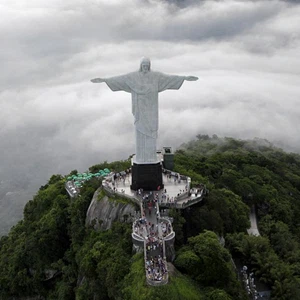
53 119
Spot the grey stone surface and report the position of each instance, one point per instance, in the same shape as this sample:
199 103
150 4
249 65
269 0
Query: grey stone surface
102 213
144 86
170 249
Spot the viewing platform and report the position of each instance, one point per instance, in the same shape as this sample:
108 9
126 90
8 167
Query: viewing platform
151 230
177 191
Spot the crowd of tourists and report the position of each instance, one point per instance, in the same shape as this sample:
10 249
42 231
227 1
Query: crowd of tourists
166 228
150 231
118 182
156 269
152 246
140 227
149 226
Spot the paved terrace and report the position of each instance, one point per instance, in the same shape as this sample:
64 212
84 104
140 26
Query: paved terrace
176 192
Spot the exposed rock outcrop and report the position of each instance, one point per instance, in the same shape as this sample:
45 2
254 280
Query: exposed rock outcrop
170 249
103 211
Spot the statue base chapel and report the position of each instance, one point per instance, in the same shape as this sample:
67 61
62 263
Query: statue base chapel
146 176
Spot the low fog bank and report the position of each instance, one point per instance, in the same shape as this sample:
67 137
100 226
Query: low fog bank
20 184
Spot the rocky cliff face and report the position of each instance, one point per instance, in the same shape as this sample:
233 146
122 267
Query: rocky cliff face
102 212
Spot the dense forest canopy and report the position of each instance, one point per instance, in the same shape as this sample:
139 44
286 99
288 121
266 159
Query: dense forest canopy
51 252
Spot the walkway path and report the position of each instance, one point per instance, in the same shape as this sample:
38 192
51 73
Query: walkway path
151 228
253 230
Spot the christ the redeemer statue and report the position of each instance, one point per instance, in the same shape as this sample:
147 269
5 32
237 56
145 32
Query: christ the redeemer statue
144 86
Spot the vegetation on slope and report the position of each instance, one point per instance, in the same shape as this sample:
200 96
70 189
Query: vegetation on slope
179 287
53 254
255 173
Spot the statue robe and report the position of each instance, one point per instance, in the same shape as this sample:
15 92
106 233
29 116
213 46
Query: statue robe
144 89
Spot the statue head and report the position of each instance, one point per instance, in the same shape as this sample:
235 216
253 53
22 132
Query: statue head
145 65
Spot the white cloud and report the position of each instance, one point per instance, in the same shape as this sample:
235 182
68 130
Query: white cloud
53 119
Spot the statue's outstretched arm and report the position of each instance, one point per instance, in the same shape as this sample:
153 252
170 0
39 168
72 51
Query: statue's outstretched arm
191 78
97 80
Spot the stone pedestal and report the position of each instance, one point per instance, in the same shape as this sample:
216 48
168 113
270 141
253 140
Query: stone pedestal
146 176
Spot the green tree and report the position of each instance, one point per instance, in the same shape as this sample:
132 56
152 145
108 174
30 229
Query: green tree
210 263
217 294
233 212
